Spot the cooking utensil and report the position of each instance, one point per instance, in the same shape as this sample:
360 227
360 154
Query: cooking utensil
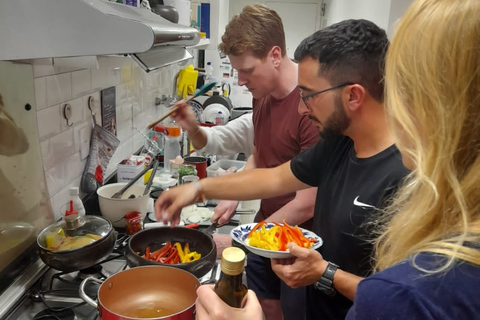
205 88
157 237
160 292
116 209
211 229
152 175
85 256
118 194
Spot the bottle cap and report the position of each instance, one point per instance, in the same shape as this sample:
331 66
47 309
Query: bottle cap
233 261
73 191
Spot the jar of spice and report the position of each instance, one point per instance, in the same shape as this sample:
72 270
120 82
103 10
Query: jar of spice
134 222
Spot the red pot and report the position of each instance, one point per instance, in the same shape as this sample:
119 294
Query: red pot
200 164
152 292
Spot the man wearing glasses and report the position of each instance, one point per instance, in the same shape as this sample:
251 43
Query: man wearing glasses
355 166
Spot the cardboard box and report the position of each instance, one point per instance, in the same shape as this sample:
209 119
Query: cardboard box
130 168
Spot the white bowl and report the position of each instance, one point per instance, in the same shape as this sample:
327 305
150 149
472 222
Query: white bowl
241 232
115 209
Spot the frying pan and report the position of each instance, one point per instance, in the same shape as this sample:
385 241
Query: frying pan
157 237
83 257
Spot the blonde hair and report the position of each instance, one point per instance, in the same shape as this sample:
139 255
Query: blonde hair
433 105
256 28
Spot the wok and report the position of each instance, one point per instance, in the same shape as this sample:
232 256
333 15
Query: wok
153 292
157 237
83 257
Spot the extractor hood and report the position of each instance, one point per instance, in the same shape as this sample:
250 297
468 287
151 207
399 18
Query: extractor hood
71 28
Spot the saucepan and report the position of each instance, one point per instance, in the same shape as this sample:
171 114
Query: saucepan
153 292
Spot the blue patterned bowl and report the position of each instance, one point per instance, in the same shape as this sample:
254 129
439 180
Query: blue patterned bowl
240 234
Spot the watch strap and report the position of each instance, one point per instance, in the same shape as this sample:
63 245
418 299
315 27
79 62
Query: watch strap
325 284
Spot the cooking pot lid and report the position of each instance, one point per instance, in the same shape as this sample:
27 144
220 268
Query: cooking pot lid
75 225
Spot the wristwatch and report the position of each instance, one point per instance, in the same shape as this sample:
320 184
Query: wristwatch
325 284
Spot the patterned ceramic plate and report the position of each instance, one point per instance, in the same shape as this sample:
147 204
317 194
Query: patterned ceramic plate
240 234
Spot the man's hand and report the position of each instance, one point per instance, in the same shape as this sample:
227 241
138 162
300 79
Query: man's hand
211 307
304 269
222 241
185 117
169 205
224 211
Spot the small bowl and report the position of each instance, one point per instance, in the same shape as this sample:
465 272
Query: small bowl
241 232
116 209
157 237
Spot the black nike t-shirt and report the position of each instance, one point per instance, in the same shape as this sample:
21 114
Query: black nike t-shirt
349 191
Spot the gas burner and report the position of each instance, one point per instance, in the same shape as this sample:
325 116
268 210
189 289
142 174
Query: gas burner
96 271
55 314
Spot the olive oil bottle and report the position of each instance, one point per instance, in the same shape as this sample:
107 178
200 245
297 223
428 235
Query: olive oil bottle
230 287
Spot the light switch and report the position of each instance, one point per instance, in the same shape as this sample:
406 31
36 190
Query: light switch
84 143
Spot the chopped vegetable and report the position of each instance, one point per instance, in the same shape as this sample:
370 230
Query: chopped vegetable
277 237
171 254
57 240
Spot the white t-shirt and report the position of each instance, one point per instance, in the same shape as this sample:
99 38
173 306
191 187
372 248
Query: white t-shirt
230 139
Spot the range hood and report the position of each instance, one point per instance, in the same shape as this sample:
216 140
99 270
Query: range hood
71 28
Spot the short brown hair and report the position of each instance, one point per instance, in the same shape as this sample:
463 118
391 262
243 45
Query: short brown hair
256 28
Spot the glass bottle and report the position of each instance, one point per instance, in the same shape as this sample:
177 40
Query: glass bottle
230 287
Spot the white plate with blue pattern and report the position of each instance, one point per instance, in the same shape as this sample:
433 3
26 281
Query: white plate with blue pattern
240 234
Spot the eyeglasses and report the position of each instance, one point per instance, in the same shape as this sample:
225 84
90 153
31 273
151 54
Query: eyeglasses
311 95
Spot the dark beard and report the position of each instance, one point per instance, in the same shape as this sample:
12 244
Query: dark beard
337 123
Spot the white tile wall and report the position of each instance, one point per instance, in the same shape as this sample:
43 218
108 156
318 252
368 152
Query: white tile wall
60 143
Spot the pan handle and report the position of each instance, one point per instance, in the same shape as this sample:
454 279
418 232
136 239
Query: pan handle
84 296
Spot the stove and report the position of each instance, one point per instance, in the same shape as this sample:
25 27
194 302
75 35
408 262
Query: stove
54 295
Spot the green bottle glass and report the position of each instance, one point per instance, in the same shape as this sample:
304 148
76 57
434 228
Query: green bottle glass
230 287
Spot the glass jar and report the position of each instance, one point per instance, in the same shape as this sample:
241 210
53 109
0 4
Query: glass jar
134 222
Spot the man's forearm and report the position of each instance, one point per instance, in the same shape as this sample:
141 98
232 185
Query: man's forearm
297 211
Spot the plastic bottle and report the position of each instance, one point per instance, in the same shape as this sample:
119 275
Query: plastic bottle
219 118
77 202
173 137
230 287
209 72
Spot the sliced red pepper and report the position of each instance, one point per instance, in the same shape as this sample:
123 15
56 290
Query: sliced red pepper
176 259
160 252
172 253
261 223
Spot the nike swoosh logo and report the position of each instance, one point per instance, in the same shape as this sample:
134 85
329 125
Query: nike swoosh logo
361 204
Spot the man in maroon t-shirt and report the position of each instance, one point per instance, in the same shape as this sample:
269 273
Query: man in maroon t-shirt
254 41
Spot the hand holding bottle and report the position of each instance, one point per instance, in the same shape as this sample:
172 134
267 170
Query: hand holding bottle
211 307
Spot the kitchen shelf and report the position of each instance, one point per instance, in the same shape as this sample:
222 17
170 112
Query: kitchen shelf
203 44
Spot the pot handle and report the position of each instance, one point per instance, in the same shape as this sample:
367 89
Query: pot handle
84 296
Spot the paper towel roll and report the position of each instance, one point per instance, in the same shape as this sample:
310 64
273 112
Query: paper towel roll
184 10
